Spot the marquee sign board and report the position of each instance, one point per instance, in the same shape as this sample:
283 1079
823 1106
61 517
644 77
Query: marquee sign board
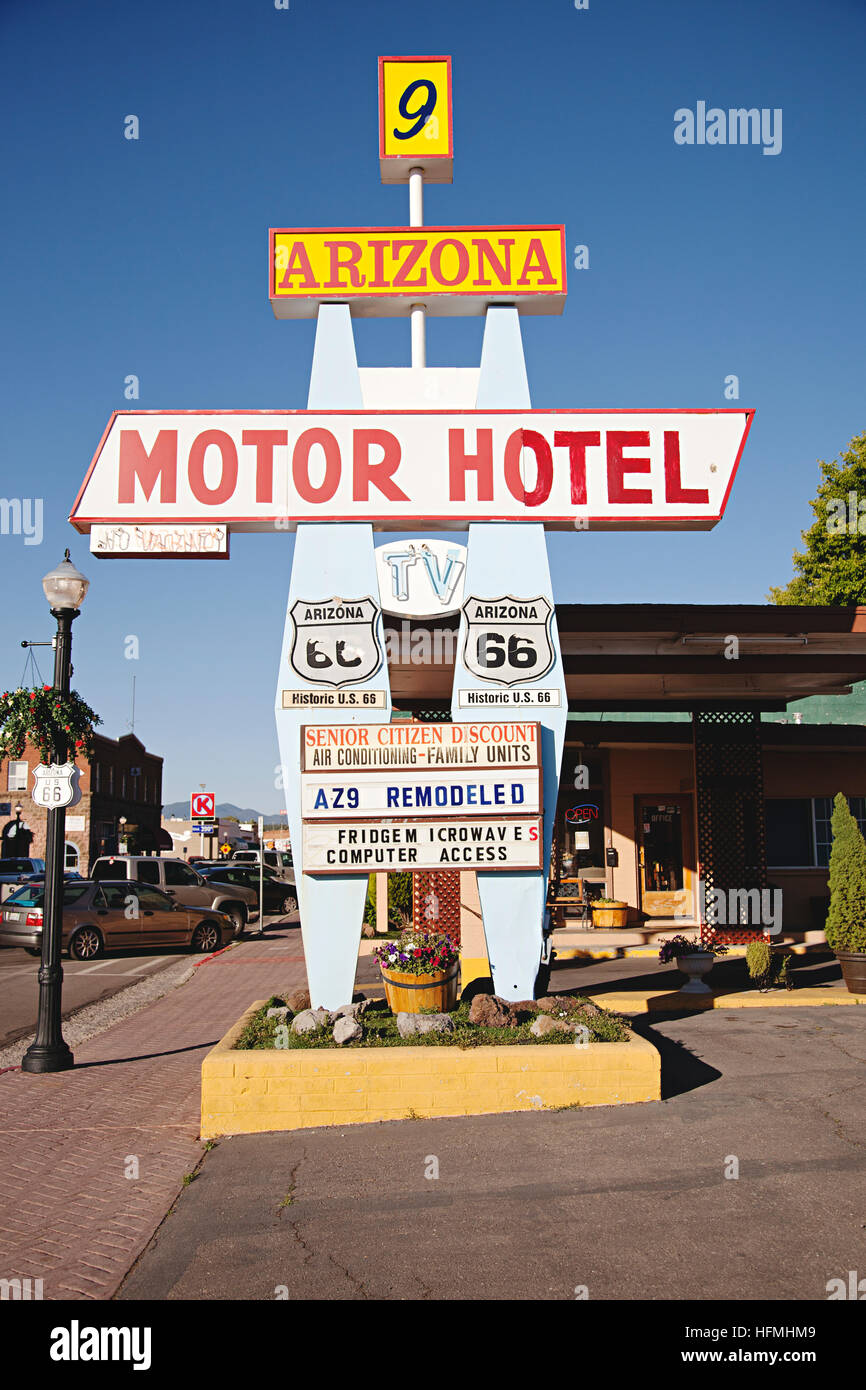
335 641
56 785
270 470
421 578
507 639
500 744
407 792
509 844
382 272
415 126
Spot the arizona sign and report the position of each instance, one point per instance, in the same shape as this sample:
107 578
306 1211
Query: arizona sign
269 470
384 271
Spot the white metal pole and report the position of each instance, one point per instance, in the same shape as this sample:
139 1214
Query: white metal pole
417 313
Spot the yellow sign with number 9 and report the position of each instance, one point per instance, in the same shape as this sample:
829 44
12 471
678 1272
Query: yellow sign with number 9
415 119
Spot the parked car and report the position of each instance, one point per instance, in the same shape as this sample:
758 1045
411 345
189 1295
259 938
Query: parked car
180 881
17 870
279 860
97 916
279 894
70 875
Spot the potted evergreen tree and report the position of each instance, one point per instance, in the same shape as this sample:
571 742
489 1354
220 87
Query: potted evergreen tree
845 928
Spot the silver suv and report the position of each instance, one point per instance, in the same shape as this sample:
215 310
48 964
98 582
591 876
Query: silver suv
181 882
279 861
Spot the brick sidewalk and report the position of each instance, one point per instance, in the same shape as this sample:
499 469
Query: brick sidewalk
69 1215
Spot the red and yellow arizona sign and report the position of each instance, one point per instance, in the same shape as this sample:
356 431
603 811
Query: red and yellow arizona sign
383 271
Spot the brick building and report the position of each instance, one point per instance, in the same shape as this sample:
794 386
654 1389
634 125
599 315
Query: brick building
122 779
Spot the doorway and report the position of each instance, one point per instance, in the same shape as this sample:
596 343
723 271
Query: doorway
665 841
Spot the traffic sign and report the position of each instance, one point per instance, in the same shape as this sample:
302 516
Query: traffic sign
202 805
56 785
205 827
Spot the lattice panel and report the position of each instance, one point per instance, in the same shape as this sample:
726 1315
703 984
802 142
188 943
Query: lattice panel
732 855
436 901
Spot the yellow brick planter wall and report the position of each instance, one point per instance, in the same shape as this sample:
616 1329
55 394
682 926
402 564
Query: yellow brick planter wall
248 1092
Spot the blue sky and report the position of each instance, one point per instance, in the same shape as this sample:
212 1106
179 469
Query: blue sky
149 257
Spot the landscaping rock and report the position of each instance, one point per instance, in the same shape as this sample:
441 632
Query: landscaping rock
544 1024
349 1010
321 1016
304 1022
347 1029
523 1009
299 1000
283 1014
410 1024
489 1011
564 1003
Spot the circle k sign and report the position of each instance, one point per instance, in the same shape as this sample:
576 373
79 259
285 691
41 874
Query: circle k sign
201 804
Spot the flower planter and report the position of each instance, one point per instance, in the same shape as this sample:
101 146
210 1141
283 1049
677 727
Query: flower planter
610 916
408 993
853 965
696 965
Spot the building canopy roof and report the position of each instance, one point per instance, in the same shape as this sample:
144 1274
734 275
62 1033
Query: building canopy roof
680 656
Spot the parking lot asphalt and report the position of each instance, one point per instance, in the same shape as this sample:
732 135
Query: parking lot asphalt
745 1182
84 982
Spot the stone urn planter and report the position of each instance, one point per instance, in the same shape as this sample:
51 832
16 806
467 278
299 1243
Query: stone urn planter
694 958
609 912
695 965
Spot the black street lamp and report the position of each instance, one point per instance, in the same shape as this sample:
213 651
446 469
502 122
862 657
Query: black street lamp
65 589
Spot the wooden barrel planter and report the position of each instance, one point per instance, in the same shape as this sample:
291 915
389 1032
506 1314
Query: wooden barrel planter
410 993
611 915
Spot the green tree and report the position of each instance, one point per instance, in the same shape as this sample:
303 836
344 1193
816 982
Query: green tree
832 568
845 928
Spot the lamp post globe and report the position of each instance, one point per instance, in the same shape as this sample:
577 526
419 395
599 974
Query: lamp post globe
65 588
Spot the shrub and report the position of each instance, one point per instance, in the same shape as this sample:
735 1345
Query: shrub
399 901
845 928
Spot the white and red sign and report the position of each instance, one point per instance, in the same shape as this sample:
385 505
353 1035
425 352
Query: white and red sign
269 470
201 806
500 744
512 843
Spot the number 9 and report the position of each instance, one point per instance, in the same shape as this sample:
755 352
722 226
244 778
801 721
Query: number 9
421 113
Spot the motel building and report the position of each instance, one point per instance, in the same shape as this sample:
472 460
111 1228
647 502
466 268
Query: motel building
682 765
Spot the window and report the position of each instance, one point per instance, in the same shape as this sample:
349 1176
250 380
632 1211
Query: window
153 900
71 856
111 781
148 871
179 874
16 777
96 776
798 830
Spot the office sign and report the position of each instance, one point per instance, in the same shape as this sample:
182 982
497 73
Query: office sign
335 640
508 639
381 272
415 125
269 470
489 844
421 578
500 744
407 792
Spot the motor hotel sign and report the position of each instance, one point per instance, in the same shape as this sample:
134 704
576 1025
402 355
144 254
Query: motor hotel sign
270 470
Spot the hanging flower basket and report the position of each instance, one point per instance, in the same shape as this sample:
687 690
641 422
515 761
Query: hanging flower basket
45 717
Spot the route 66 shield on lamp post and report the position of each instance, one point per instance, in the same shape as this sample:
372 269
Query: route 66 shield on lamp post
65 589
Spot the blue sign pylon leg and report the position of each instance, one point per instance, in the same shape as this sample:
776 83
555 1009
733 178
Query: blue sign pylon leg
330 561
511 559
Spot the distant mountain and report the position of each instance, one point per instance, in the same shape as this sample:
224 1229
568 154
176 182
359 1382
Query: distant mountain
225 808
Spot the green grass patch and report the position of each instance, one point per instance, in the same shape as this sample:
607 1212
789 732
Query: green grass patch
380 1030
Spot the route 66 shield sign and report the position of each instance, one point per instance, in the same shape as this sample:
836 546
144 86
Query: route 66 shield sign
56 785
508 639
335 641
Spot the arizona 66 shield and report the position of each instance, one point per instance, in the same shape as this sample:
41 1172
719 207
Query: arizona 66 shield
508 639
56 785
335 641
